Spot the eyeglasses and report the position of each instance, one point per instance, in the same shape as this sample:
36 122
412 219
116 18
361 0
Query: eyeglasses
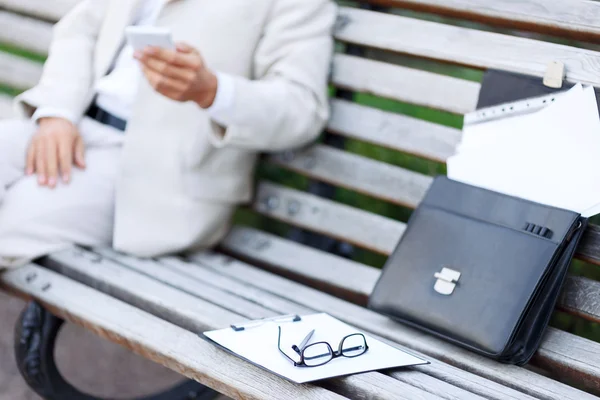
317 354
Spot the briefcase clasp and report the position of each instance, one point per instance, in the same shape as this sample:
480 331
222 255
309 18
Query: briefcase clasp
446 281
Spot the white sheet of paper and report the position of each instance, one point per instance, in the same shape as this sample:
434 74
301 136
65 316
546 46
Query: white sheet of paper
550 156
259 346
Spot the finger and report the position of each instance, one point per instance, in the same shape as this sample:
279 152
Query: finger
52 162
65 159
185 60
30 159
40 162
163 84
184 48
168 70
79 152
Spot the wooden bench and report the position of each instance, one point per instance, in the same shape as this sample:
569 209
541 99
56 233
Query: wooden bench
156 307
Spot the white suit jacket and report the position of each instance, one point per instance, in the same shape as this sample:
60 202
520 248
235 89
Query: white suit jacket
175 159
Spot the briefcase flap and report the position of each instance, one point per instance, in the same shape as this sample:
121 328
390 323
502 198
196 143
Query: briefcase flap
470 263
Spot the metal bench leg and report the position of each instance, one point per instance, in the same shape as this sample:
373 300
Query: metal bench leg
35 338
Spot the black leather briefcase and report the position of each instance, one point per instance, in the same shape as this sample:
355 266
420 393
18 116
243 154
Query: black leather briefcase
480 269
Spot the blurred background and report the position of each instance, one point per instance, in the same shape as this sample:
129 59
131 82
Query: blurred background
106 369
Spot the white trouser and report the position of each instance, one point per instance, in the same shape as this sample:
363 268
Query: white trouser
35 220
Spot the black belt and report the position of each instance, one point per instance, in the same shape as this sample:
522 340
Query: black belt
106 118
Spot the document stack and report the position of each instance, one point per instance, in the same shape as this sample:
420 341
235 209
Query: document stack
546 150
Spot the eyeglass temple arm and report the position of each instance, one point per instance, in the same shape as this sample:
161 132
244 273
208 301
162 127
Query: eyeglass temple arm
283 352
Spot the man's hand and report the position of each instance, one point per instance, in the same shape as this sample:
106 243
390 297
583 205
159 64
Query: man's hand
180 75
53 150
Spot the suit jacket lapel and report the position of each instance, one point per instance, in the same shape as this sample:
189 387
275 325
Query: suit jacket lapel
118 16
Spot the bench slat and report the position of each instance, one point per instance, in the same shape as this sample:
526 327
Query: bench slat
353 73
514 377
26 33
465 46
18 72
570 18
129 279
364 175
174 270
395 131
581 296
576 19
382 181
355 226
154 338
302 263
405 84
50 10
355 281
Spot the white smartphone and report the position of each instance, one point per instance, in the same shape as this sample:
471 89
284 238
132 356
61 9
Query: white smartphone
140 37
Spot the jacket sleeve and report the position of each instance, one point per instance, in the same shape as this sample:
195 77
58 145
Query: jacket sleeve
67 78
286 105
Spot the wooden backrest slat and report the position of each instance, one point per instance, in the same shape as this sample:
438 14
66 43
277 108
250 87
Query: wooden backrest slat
364 175
589 248
568 18
395 131
581 296
45 9
18 72
303 263
465 46
358 227
577 19
353 225
348 279
405 84
24 32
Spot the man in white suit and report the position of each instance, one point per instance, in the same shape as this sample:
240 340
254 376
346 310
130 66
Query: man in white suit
152 151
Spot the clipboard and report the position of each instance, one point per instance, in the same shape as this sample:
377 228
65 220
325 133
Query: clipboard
256 342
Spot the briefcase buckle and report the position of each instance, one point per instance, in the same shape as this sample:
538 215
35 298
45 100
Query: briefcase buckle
446 281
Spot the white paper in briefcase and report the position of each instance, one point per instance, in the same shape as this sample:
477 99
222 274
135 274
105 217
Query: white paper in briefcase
550 156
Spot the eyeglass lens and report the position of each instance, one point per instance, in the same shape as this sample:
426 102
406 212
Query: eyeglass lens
354 346
317 354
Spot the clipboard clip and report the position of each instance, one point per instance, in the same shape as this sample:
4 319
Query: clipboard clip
259 322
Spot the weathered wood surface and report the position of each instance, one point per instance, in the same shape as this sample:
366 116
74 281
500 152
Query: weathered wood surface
206 276
45 9
511 376
395 131
303 263
464 46
361 174
24 32
355 281
18 72
405 84
130 279
353 225
581 296
153 338
374 178
577 19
